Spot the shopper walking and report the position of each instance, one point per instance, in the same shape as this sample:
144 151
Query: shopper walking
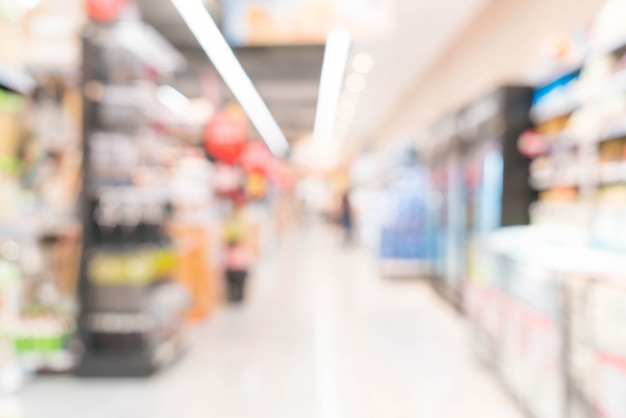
238 254
347 221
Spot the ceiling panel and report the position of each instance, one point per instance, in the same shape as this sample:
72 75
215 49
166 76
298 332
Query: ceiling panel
287 77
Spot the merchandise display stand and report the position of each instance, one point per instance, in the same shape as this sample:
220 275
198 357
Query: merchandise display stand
132 314
404 250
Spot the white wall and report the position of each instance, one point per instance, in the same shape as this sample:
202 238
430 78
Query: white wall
501 45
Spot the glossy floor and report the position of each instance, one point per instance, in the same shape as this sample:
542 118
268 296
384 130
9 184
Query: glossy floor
321 336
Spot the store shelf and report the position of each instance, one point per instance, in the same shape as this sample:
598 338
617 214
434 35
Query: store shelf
591 93
543 113
565 69
135 363
574 213
575 96
558 72
12 377
554 181
52 363
612 131
610 47
35 227
609 173
131 315
16 81
149 46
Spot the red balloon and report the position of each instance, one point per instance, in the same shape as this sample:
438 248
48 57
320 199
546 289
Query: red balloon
104 11
281 173
256 158
225 137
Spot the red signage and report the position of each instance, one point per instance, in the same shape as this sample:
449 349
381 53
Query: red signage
225 137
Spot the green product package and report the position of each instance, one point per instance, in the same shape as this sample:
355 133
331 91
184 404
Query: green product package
10 102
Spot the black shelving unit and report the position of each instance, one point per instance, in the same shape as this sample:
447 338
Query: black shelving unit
124 327
16 81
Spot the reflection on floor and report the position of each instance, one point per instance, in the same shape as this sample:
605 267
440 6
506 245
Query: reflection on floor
322 336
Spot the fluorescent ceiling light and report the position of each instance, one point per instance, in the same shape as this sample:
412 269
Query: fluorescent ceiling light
30 4
174 100
342 131
221 55
363 63
201 111
347 96
333 70
148 44
346 110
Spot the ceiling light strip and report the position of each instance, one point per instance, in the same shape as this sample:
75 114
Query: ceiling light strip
174 100
221 55
333 70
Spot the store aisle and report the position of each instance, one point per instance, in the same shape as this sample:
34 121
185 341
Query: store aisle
321 337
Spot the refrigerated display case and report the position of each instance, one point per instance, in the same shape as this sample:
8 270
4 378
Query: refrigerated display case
596 346
495 171
547 317
518 317
446 239
482 179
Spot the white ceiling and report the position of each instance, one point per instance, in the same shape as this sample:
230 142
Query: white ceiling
288 77
424 30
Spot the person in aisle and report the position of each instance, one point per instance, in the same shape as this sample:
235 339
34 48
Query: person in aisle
238 252
347 218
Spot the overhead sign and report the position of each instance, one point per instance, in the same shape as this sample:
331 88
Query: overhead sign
275 22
